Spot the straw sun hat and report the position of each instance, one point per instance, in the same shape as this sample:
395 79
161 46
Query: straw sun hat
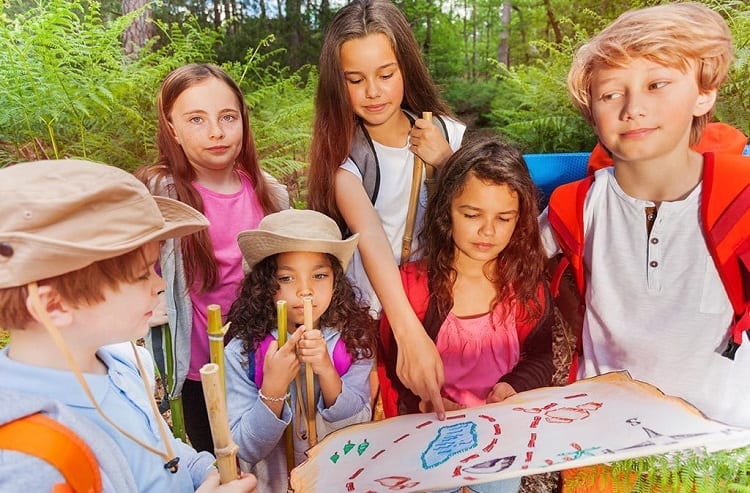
294 230
60 216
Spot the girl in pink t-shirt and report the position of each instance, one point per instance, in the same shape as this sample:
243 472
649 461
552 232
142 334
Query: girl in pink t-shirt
479 288
206 159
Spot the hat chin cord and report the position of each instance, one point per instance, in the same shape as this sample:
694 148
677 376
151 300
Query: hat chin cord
170 460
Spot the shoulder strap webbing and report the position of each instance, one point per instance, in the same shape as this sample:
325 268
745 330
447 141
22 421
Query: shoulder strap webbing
341 358
725 215
363 154
43 437
565 215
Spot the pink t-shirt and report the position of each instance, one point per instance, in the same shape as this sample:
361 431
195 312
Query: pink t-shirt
229 214
476 352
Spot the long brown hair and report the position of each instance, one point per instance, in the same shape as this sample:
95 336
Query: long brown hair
335 121
520 266
172 168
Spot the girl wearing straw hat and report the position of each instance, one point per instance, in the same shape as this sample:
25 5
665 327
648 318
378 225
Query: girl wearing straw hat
293 255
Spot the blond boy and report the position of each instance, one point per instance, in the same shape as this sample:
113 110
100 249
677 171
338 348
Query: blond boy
655 303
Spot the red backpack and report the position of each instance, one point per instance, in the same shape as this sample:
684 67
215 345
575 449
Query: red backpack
725 218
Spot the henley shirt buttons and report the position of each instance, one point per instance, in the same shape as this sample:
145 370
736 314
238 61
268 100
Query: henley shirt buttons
654 241
653 263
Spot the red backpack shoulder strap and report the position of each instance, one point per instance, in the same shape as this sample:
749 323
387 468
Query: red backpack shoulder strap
565 215
43 437
725 215
414 280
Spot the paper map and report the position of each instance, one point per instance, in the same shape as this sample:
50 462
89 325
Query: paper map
597 420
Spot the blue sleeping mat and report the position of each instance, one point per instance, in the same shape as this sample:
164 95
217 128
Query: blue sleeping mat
551 170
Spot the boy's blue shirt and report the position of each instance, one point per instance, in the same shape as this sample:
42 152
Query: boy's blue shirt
121 395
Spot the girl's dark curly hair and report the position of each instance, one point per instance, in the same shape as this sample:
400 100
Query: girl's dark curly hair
520 266
253 313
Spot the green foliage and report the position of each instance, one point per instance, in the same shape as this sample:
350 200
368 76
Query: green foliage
472 97
281 103
532 108
733 105
686 471
70 91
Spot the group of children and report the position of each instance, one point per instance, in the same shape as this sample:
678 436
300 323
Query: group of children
466 321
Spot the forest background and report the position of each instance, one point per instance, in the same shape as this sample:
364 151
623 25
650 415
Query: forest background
79 78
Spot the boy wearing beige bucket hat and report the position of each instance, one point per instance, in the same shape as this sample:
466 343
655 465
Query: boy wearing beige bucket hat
78 242
293 255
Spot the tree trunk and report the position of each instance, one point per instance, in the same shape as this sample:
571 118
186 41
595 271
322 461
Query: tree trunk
324 14
474 35
428 31
467 66
554 24
503 50
294 30
140 30
217 14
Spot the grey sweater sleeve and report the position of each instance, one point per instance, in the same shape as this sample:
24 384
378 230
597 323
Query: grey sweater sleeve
255 428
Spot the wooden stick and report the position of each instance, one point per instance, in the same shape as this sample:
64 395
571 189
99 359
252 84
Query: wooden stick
216 404
312 434
411 213
282 326
216 340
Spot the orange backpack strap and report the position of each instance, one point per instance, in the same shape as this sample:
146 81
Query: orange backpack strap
725 214
43 437
565 215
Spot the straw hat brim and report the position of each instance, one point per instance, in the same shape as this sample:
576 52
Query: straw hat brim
36 257
256 245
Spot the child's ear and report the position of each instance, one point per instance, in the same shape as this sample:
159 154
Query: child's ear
173 133
56 307
705 102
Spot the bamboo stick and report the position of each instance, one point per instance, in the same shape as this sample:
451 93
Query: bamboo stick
282 326
312 435
216 341
175 403
411 213
225 449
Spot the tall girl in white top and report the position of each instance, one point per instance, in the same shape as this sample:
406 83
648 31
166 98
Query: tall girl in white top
370 69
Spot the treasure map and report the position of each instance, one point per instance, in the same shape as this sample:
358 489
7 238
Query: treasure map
602 419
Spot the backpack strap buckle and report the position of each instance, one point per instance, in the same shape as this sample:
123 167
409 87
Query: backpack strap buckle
741 326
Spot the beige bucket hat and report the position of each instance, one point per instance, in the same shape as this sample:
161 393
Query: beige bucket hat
293 230
59 216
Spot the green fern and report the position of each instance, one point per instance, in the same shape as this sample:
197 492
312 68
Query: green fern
70 91
688 471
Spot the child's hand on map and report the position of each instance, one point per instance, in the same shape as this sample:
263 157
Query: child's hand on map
427 407
500 392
